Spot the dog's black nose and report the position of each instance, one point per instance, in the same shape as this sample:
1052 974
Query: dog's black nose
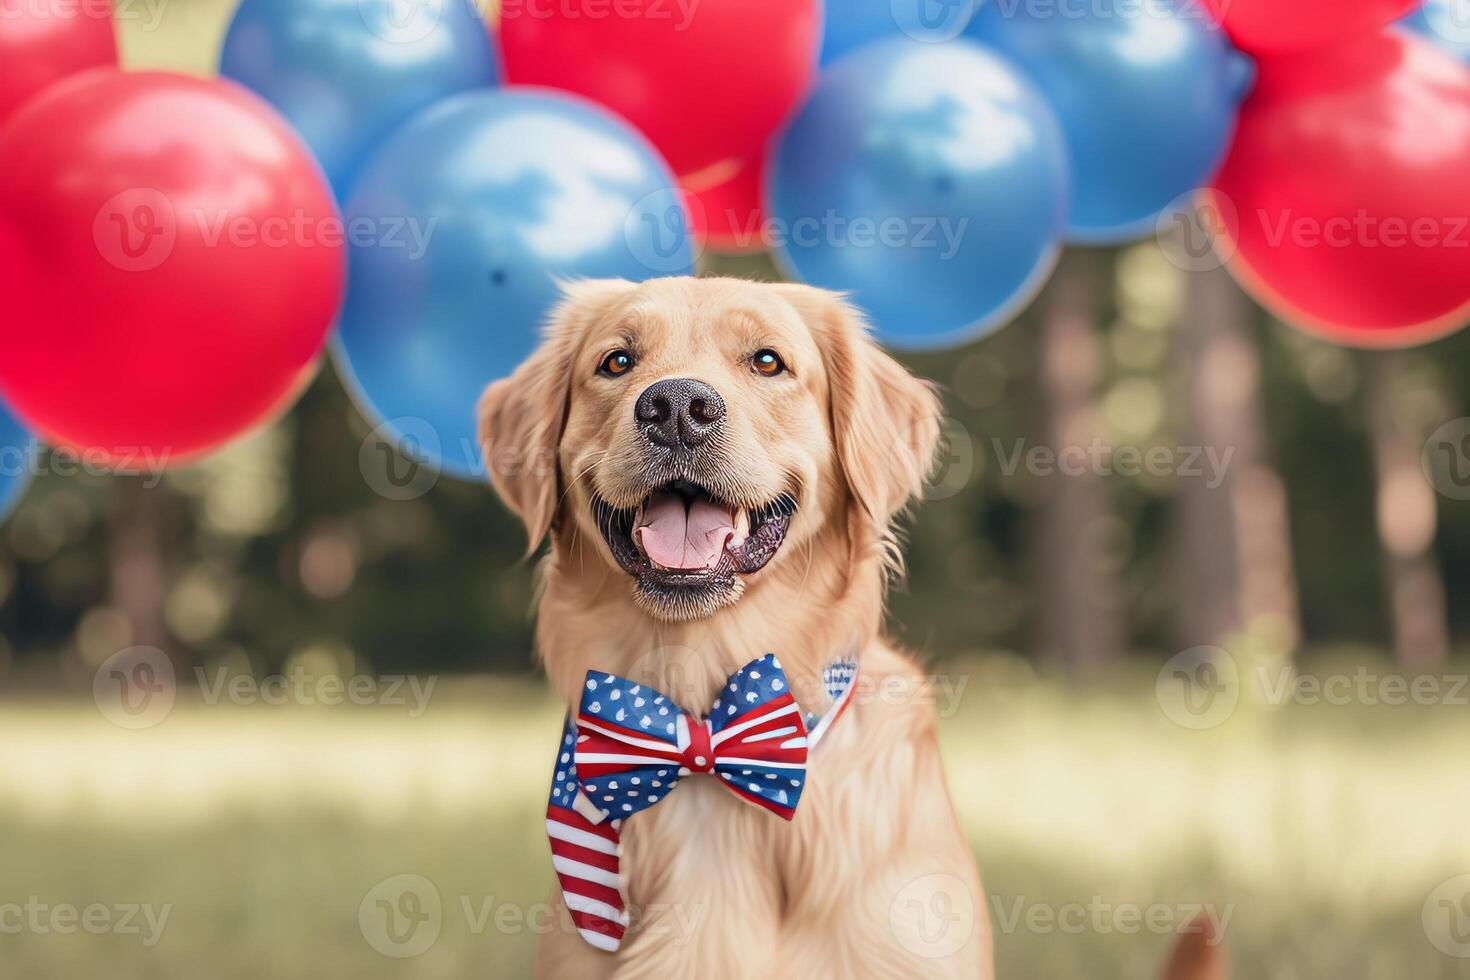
679 412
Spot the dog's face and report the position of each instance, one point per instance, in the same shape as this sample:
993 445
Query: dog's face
700 432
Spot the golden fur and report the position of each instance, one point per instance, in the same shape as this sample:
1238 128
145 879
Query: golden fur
717 888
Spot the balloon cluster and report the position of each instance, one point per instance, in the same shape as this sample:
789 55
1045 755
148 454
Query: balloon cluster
977 139
176 250
482 174
1343 205
163 250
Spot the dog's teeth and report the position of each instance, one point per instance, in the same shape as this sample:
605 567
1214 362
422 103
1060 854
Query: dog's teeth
742 531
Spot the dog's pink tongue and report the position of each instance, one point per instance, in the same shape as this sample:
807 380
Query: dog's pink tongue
683 537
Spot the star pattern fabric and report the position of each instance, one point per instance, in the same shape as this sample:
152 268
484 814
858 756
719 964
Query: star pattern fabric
636 746
629 746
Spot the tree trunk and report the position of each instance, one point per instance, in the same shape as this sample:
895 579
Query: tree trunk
1233 542
136 564
1080 624
1407 520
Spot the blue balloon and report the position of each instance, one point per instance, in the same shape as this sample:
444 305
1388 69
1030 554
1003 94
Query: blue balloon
1147 95
1446 23
459 229
17 447
929 181
346 73
850 24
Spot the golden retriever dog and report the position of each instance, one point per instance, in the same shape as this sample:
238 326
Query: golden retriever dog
719 465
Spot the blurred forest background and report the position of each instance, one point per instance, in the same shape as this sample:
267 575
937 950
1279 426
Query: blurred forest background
1050 601
1292 510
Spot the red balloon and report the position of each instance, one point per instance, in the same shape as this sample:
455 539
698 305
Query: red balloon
727 215
172 259
41 43
705 80
1267 26
1347 183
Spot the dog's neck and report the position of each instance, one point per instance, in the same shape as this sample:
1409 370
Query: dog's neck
809 610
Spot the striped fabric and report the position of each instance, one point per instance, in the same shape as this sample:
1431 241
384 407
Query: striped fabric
629 746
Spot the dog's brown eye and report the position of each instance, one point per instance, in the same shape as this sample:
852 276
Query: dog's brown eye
768 363
616 364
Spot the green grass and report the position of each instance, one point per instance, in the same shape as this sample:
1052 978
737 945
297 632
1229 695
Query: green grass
1321 830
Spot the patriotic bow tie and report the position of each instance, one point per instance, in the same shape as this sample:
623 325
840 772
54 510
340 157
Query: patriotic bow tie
629 746
634 745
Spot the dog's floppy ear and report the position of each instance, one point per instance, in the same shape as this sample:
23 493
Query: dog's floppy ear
522 416
885 421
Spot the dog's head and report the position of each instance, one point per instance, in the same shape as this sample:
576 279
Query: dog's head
700 431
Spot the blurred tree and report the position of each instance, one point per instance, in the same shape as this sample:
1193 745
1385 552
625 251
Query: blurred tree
1406 517
1079 624
1233 554
135 562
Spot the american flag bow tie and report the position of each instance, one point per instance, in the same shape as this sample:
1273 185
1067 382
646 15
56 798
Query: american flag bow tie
627 748
634 745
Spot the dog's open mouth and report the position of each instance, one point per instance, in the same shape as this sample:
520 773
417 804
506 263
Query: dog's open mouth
682 543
